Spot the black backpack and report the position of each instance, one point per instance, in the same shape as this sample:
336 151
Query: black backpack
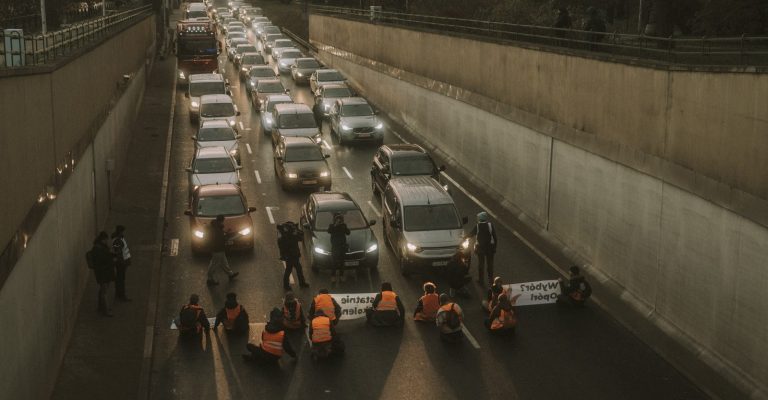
452 319
188 318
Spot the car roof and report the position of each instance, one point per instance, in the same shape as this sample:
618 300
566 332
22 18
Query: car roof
215 123
212 152
335 86
279 97
206 77
307 59
274 34
247 44
326 70
352 100
223 189
289 108
419 190
288 50
254 53
330 201
216 98
270 81
291 141
404 148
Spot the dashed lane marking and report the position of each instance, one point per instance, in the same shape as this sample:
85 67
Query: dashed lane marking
469 336
248 146
258 177
240 124
269 215
376 210
174 251
346 171
327 146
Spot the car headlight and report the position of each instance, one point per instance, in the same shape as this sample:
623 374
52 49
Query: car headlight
244 69
233 152
372 248
292 175
181 75
345 128
412 247
198 233
320 250
318 139
380 125
268 120
231 122
195 104
465 244
299 74
283 63
326 107
445 187
245 232
195 187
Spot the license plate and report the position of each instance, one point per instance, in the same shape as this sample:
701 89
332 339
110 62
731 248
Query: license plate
309 181
363 135
351 263
439 263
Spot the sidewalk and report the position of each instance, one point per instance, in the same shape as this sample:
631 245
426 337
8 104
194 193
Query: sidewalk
105 355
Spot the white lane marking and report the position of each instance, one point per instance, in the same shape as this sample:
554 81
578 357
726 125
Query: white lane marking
246 129
327 146
240 124
346 171
174 247
469 336
290 277
248 146
269 215
258 177
376 210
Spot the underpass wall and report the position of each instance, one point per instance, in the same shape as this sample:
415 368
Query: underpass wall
653 178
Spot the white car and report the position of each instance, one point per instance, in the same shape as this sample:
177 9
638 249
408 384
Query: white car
211 166
218 106
218 133
325 77
280 45
286 59
202 84
269 104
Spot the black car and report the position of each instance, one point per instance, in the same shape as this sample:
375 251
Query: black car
300 163
317 215
396 160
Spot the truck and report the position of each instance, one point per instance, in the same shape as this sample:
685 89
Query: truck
197 48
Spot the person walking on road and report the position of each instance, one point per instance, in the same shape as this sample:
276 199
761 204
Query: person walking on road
485 246
429 303
387 309
192 318
218 246
273 343
233 316
102 261
449 320
122 261
288 243
339 232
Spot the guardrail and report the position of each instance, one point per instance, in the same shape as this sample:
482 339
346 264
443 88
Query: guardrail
299 40
731 51
36 49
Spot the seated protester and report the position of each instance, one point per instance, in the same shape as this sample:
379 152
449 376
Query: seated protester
429 303
502 318
293 318
576 290
325 341
273 343
449 319
492 297
192 319
233 316
327 304
457 274
387 308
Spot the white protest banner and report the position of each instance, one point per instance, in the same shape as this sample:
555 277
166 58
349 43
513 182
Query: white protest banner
534 293
353 305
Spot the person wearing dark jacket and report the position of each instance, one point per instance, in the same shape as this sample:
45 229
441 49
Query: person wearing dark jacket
273 343
576 290
233 316
103 262
339 232
492 296
218 243
485 246
457 274
293 317
327 304
387 309
122 261
288 244
192 318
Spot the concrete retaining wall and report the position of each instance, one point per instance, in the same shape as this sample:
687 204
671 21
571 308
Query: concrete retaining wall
614 162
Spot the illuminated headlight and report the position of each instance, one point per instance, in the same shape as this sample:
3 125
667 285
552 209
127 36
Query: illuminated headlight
283 64
245 232
380 125
292 175
233 152
412 247
299 74
244 69
326 106
320 250
324 174
465 244
268 120
195 104
195 187
318 139
372 248
181 75
345 128
231 122
198 234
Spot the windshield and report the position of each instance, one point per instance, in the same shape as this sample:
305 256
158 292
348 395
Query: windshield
217 110
272 37
337 92
220 205
253 59
297 121
356 110
353 218
215 134
291 54
271 87
198 47
329 76
303 153
271 29
415 165
308 64
261 73
431 218
197 14
197 89
283 43
246 49
213 166
271 105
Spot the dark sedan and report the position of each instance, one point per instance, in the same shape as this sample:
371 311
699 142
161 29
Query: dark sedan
397 160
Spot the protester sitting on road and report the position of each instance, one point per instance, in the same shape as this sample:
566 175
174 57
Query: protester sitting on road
325 341
576 290
387 308
502 318
293 318
429 303
492 297
449 320
273 343
327 304
457 274
192 319
233 316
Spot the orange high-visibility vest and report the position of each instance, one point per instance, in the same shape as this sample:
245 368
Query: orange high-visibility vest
272 343
505 320
295 322
388 302
324 302
430 303
232 314
321 330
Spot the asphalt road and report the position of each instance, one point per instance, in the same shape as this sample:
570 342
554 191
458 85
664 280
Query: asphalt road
556 353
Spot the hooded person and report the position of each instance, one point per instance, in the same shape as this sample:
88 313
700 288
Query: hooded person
273 344
233 316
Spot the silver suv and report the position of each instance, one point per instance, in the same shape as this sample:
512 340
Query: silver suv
202 84
353 119
294 120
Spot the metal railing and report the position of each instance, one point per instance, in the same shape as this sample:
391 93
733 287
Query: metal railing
41 49
731 51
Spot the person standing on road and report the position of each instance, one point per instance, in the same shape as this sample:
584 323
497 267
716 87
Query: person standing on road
327 304
387 309
429 303
339 232
449 320
485 246
122 261
102 261
233 316
273 343
218 246
288 243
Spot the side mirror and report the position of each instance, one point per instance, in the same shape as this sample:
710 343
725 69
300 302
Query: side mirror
251 209
186 94
372 222
238 136
228 92
441 168
464 220
287 90
187 212
239 167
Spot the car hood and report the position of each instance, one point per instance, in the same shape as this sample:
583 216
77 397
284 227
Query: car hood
227 144
359 122
358 239
305 132
212 179
306 71
233 223
306 166
444 238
